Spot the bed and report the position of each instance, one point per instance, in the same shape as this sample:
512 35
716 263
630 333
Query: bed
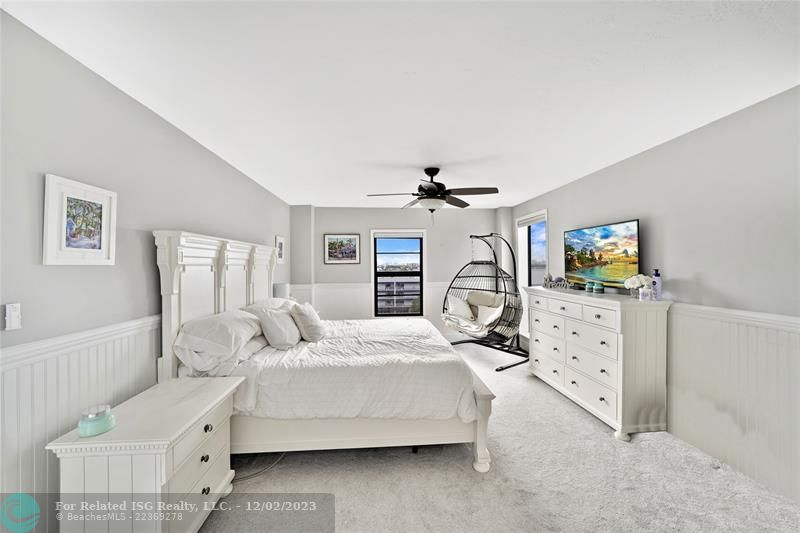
369 383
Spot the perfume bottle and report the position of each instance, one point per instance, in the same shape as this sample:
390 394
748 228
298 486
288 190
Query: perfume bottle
657 282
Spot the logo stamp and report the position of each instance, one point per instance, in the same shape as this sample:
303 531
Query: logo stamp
20 512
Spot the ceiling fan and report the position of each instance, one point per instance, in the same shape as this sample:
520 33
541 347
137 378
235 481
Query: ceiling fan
433 195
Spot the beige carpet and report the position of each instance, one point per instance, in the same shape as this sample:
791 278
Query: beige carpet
555 468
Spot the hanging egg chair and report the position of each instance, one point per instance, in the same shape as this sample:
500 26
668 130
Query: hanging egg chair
483 302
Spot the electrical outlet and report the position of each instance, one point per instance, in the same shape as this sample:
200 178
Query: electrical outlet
13 316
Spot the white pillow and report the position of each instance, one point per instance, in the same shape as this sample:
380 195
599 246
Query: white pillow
269 303
489 315
458 307
489 299
204 343
279 327
256 344
311 327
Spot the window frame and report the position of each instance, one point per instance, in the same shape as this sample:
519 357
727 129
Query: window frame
398 234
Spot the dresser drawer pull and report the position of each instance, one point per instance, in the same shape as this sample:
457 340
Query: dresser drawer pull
555 349
555 326
603 343
555 371
573 382
563 308
603 371
535 360
204 458
537 302
575 333
208 428
536 320
597 316
536 340
602 399
205 491
574 357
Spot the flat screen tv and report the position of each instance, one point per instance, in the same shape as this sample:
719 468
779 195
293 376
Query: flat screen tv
608 253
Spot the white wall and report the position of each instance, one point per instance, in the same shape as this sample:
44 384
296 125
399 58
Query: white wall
719 209
61 118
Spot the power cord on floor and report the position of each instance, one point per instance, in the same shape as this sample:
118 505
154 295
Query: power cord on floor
260 472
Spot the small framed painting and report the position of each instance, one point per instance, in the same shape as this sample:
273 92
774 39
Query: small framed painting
342 249
280 247
80 223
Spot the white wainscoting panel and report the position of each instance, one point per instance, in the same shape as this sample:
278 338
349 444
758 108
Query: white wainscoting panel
45 385
734 390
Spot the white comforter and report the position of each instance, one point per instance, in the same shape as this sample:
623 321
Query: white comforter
383 368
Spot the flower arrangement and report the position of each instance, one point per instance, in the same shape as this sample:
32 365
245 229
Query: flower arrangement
634 283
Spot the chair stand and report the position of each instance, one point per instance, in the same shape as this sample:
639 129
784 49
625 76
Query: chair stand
512 347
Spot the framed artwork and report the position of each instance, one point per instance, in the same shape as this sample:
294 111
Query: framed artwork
280 247
342 249
80 223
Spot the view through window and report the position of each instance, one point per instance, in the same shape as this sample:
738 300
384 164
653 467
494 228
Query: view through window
537 252
398 276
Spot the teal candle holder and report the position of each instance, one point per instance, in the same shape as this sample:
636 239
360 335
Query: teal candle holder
96 420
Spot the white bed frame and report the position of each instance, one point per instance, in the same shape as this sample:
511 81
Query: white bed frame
202 275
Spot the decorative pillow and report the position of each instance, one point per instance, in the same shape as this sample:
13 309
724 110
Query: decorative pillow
279 327
311 327
204 343
489 315
458 307
489 299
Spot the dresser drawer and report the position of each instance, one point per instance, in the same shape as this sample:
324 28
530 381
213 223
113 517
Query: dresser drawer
546 323
600 316
569 309
596 339
600 368
595 395
204 429
199 462
537 302
547 345
548 369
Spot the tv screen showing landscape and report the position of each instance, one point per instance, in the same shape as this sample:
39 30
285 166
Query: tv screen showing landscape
608 254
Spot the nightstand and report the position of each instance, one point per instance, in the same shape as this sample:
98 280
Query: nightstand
171 444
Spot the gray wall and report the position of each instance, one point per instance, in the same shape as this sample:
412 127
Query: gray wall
448 244
719 209
58 117
301 247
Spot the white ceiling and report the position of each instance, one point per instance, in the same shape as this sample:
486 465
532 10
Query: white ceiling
325 102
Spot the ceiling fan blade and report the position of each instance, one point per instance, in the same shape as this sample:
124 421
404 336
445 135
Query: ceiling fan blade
393 194
458 202
475 190
412 202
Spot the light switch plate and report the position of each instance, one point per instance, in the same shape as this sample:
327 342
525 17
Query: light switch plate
13 316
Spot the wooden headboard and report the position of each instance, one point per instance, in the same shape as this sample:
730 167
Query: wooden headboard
202 275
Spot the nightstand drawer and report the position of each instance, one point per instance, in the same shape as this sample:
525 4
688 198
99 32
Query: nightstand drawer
547 323
596 339
597 396
204 429
570 309
546 345
199 461
600 316
600 368
537 302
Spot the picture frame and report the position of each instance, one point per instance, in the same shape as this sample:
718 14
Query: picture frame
342 248
80 223
280 249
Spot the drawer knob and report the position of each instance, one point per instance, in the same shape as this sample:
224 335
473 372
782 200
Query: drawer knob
536 320
603 343
208 428
206 490
204 458
563 308
536 302
555 371
573 382
597 316
555 326
602 399
603 371
574 357
535 340
555 349
535 360
575 333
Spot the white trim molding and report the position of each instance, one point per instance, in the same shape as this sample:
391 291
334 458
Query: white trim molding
732 390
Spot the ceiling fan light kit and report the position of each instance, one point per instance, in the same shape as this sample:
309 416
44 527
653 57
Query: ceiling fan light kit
433 195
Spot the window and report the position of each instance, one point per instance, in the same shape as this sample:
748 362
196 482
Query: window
398 276
532 248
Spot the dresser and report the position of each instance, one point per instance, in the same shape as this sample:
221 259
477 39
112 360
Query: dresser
605 352
161 468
